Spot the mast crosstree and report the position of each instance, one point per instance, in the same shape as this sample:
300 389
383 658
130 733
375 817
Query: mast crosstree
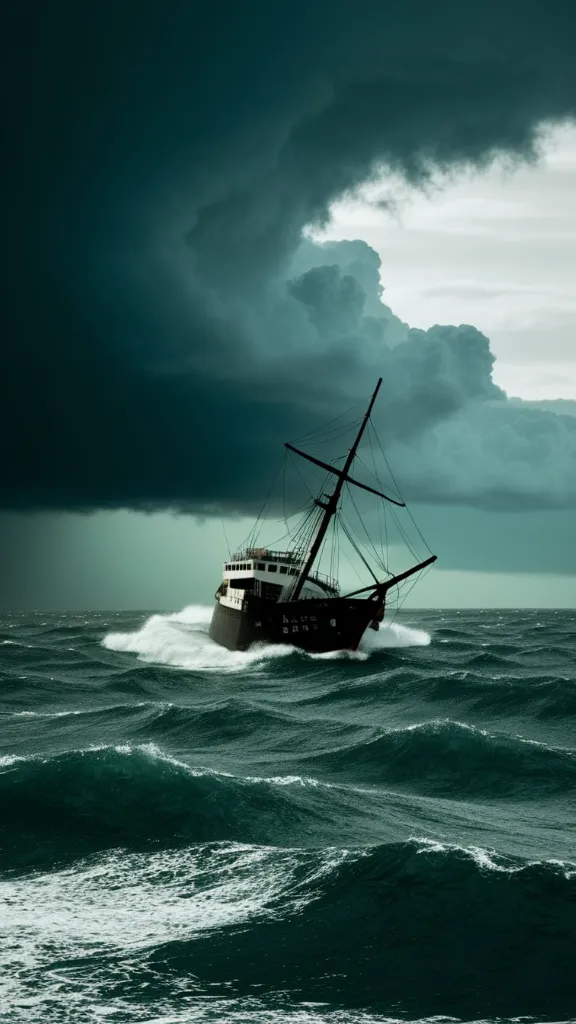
331 507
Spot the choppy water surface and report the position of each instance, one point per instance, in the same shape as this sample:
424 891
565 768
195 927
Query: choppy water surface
193 835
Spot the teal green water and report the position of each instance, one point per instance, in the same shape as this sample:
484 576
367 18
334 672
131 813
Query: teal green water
193 835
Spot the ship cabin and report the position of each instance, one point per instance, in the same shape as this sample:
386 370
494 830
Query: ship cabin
269 575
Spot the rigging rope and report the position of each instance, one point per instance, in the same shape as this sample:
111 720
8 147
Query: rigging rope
370 541
320 429
414 523
301 527
359 553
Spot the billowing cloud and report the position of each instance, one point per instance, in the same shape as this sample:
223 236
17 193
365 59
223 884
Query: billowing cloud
165 327
495 456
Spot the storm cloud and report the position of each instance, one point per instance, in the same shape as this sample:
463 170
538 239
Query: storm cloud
165 326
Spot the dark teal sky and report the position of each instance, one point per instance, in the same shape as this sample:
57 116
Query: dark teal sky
166 327
128 560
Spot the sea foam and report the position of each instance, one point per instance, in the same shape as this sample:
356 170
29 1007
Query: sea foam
181 640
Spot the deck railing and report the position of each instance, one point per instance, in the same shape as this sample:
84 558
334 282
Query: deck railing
290 558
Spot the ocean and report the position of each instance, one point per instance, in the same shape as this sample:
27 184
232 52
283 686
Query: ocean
194 835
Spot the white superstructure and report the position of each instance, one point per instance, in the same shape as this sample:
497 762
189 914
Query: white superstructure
267 574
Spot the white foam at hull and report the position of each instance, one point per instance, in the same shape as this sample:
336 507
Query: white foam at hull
181 640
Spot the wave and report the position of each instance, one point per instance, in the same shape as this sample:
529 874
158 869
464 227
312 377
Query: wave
181 641
451 759
536 695
484 935
488 659
159 895
115 710
242 730
487 934
73 804
223 729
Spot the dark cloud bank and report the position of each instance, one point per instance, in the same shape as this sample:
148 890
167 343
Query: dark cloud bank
164 327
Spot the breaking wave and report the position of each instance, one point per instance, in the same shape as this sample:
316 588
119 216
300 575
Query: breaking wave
75 803
181 640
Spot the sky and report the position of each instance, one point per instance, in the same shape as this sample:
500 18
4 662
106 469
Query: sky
221 230
496 249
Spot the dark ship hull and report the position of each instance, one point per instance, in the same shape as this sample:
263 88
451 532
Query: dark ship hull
314 625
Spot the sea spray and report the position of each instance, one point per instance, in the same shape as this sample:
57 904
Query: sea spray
181 640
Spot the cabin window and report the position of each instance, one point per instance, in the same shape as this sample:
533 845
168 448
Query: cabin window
261 565
284 569
272 568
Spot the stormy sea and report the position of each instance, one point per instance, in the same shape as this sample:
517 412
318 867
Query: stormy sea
194 835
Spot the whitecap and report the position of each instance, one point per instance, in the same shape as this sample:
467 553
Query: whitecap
181 640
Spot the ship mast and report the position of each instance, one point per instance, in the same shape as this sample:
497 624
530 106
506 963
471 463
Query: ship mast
331 505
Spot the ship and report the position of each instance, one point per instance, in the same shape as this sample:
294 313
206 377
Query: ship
280 596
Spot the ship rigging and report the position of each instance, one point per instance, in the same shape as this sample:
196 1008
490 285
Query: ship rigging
281 596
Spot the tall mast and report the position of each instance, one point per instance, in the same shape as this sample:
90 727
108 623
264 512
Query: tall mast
331 505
